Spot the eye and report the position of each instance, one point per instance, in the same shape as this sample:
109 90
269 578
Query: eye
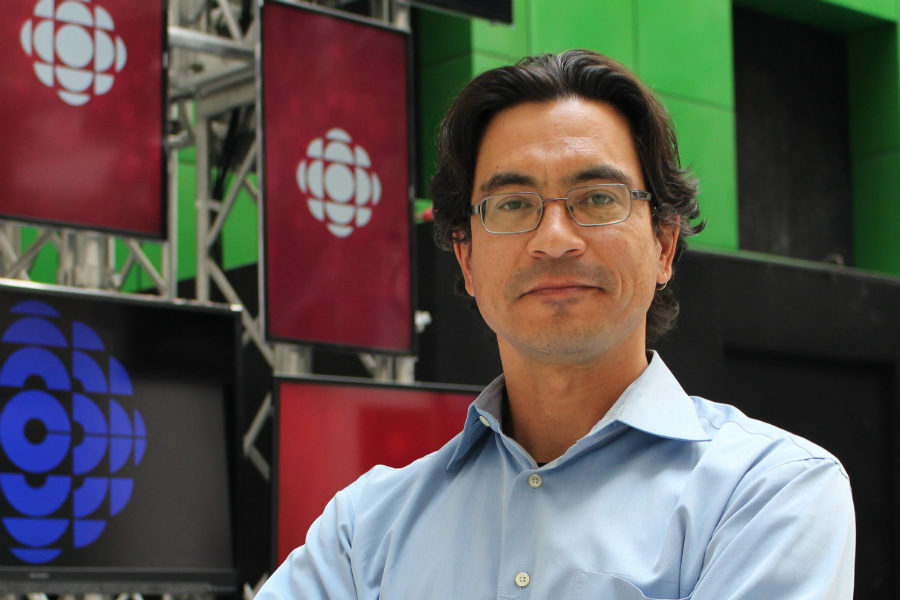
596 199
514 203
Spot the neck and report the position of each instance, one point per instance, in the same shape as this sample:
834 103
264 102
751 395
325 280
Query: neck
552 406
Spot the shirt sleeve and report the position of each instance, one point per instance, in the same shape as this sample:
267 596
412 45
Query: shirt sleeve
790 533
321 568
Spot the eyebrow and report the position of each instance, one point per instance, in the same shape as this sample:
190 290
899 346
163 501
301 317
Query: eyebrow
604 172
505 178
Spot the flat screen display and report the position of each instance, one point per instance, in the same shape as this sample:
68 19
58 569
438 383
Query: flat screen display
115 430
335 166
331 431
82 111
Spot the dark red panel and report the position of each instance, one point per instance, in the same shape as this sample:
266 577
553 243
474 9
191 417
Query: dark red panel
337 206
81 113
329 434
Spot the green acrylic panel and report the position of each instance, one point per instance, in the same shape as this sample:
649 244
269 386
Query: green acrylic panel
188 156
481 62
46 263
606 26
440 37
874 100
707 144
881 9
240 234
187 222
135 279
437 86
508 42
876 213
685 48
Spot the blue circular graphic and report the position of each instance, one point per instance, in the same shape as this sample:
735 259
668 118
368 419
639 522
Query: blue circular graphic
65 441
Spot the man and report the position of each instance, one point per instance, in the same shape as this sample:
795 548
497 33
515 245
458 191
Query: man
584 471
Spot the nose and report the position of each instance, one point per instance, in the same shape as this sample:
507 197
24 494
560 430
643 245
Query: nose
557 234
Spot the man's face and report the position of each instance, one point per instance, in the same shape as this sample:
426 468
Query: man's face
564 293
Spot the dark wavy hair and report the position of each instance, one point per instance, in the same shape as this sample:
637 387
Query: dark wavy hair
576 73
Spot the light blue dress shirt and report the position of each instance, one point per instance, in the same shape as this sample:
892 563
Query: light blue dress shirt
668 496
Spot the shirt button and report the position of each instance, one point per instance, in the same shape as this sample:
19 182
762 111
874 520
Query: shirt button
484 420
523 579
535 480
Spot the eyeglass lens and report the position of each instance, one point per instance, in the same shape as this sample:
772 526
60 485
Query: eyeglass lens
590 205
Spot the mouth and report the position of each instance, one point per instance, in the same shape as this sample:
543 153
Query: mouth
560 289
559 280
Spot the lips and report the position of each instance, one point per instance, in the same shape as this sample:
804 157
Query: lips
559 287
557 278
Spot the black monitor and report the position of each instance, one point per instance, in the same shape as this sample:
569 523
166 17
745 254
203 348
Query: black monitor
115 433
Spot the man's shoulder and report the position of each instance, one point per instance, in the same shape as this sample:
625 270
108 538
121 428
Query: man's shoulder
732 431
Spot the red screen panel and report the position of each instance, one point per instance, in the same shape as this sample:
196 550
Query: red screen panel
330 433
335 180
81 111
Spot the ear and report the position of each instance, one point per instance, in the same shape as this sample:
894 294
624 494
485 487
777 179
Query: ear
667 237
463 252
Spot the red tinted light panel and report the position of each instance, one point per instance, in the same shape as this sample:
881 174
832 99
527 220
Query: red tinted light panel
330 433
335 180
82 114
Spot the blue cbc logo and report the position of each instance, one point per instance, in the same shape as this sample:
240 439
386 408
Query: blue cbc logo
64 434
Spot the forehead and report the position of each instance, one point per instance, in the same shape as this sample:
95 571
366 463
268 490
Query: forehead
549 143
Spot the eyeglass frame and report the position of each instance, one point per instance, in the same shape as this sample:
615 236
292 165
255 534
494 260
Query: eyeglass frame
634 194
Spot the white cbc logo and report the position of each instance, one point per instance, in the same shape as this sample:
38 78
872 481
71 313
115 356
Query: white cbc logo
336 176
75 48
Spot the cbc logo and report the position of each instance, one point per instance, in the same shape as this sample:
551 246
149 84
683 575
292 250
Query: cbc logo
335 174
65 436
75 48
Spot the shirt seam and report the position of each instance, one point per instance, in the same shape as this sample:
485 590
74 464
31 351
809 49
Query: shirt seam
789 437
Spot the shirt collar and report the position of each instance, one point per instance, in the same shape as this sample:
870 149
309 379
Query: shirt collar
654 403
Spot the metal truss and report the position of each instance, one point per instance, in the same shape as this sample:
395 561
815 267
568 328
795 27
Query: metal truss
87 259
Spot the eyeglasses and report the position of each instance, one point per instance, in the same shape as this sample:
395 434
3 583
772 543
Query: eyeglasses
589 206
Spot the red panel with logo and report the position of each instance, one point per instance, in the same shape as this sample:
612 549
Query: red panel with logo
336 193
81 111
330 433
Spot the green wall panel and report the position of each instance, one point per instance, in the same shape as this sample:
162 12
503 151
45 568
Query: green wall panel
876 213
187 222
603 25
44 267
507 42
706 139
482 62
873 91
439 37
685 48
437 86
882 9
240 234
